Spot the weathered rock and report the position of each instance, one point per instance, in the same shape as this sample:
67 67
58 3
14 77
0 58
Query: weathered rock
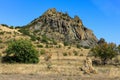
87 66
61 27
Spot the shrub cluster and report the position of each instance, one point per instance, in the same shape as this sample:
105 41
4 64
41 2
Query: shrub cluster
105 51
21 51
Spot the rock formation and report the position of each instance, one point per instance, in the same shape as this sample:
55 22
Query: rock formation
87 66
61 27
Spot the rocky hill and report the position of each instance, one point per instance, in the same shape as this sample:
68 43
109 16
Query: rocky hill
60 27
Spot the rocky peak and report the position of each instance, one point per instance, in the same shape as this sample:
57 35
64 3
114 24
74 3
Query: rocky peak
51 11
61 27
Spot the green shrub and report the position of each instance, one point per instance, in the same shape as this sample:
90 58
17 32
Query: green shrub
69 47
81 55
44 39
47 46
11 27
86 47
54 42
40 46
5 25
2 33
59 46
42 51
33 38
1 41
105 51
66 43
64 54
118 49
38 38
21 51
75 53
24 31
2 46
78 46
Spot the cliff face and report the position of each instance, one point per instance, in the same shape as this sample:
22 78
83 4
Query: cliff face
61 27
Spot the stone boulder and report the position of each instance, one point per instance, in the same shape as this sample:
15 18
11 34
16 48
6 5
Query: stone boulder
87 66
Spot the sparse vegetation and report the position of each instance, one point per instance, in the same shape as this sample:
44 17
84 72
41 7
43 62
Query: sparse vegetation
44 39
78 46
2 33
5 25
42 51
75 53
66 43
1 41
24 31
33 38
65 54
2 46
86 47
40 46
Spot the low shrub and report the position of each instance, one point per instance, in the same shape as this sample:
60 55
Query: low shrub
75 53
42 51
40 46
64 54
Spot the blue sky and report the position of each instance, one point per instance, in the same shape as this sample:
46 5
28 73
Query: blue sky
102 16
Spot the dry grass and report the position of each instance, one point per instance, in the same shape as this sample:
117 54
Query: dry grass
62 66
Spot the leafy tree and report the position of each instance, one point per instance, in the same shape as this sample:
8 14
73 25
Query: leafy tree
105 51
21 51
5 25
118 49
102 40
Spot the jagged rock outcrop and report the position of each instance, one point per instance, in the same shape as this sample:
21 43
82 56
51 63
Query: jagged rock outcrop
61 27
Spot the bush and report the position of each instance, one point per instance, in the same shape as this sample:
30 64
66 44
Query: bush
33 38
64 54
118 49
21 51
47 46
11 27
44 39
66 43
40 46
5 25
2 33
1 41
24 31
86 47
105 52
78 46
75 53
42 51
54 42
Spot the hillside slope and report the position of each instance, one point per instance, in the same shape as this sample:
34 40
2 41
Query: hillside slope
61 27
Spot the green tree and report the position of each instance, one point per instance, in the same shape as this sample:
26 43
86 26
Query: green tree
21 51
118 49
105 51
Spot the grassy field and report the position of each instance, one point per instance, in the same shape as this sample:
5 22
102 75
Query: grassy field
63 68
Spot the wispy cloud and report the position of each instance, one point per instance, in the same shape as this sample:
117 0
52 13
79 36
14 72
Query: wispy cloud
108 7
